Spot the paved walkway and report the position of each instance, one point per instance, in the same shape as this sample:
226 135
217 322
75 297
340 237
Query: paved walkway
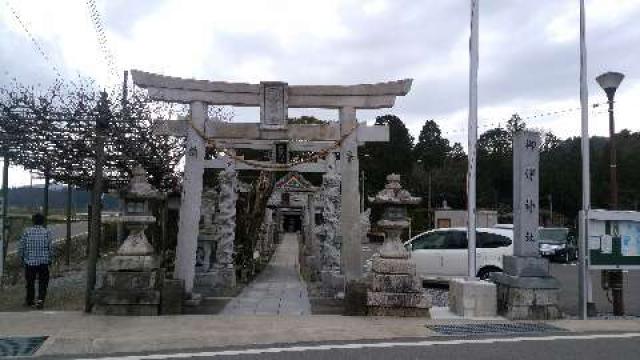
278 290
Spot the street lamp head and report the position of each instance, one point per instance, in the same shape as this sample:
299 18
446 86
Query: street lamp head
609 82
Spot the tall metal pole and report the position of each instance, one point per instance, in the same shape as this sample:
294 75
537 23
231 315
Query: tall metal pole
613 164
473 135
586 186
615 276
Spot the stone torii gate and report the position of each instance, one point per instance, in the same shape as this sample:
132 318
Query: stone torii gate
271 133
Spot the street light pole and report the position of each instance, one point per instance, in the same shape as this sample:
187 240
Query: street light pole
609 82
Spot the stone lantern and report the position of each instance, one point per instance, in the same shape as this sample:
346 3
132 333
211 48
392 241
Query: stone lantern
132 283
136 252
395 288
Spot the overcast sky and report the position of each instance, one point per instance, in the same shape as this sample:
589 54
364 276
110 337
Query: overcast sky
529 51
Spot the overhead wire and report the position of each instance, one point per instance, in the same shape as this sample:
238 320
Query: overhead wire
101 37
33 39
498 123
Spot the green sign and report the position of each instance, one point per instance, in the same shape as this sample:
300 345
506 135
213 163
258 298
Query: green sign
613 239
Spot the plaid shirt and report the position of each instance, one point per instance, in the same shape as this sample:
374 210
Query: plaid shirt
36 246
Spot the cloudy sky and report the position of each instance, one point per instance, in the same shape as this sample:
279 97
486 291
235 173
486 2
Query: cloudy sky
529 59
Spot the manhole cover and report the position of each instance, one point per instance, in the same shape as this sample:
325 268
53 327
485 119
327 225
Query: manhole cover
20 346
493 328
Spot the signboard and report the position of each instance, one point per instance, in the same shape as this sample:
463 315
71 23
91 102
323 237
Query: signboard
613 239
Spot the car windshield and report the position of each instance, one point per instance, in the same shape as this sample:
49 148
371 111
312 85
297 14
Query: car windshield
553 235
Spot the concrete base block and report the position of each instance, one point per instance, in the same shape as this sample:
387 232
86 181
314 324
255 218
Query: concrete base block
530 302
472 298
526 266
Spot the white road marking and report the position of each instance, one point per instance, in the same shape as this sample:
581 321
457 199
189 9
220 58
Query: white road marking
366 346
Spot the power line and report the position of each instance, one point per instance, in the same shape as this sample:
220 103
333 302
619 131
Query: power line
498 123
96 19
35 42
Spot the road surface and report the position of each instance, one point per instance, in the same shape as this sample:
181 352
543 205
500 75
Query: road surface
583 346
59 232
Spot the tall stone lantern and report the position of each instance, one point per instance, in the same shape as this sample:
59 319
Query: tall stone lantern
136 252
133 280
395 288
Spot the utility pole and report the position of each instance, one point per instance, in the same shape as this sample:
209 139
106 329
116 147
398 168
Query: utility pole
67 244
45 202
102 122
3 220
550 209
120 230
429 209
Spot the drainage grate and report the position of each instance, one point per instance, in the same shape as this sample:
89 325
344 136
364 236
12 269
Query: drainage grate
20 346
493 328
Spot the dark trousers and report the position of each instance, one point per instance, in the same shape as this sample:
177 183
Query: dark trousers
41 272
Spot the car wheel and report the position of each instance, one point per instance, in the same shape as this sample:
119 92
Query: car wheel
485 273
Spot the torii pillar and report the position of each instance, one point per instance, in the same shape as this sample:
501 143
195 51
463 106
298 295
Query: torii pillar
351 249
188 225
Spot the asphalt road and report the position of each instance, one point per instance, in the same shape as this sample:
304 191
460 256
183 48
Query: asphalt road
567 274
524 347
59 232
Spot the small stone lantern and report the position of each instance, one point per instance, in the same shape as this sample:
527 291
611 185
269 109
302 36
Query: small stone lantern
395 290
133 281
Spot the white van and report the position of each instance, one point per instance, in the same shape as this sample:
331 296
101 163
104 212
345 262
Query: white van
441 254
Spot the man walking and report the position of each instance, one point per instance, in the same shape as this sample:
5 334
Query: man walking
36 252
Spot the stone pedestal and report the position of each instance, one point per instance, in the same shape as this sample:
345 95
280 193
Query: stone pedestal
526 291
472 298
395 289
130 293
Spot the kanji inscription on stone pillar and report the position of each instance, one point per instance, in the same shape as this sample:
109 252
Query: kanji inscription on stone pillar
526 155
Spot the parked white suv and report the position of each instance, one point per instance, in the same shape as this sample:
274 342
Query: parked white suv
441 254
